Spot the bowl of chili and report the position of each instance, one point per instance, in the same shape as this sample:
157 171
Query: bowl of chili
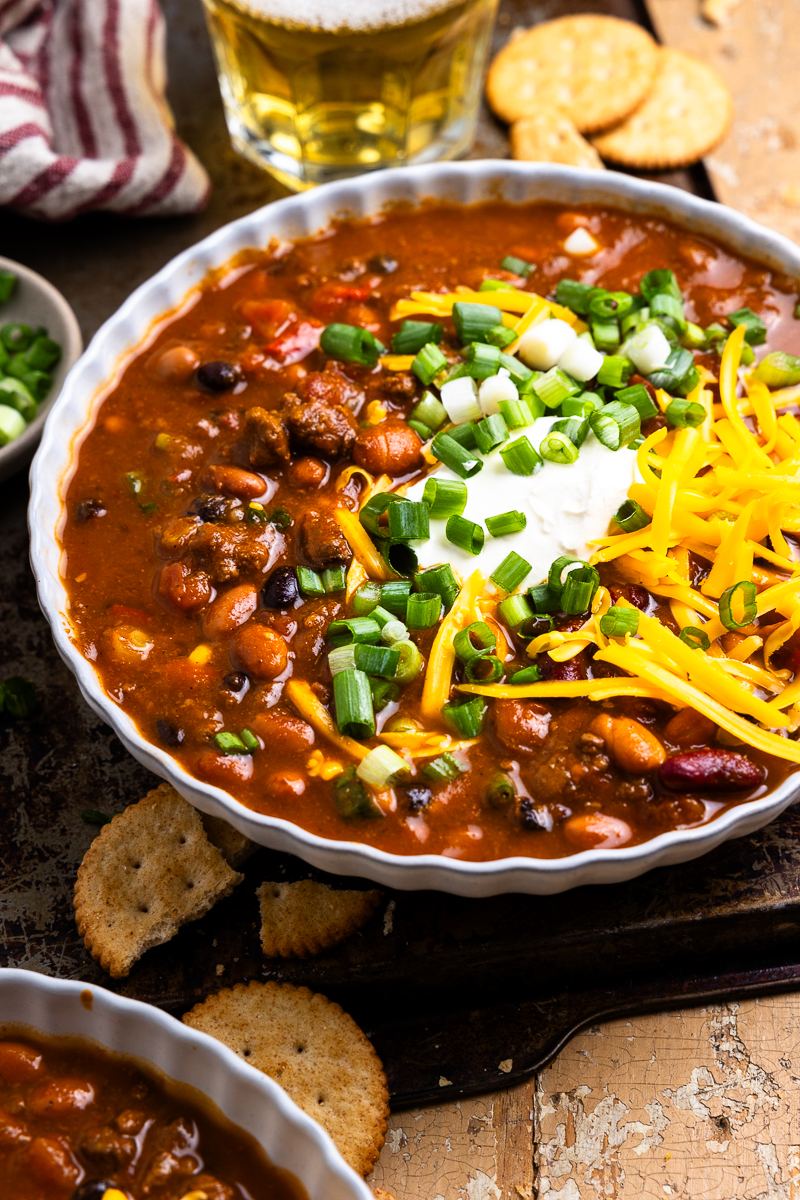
87 1056
746 258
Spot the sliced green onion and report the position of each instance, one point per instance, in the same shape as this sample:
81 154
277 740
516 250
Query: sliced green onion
352 798
442 769
413 335
135 481
500 336
659 281
472 320
574 428
15 394
394 597
665 305
384 691
374 660
430 411
16 336
514 610
467 535
352 699
428 363
229 743
778 370
574 295
677 374
554 386
631 517
716 333
423 610
686 414
615 425
401 557
517 266
423 432
501 792
444 497
394 632
497 285
526 675
640 398
8 282
744 593
460 461
755 331
382 767
615 371
546 599
518 413
482 360
371 512
411 662
695 637
464 434
606 335
250 740
617 622
334 579
382 616
520 457
350 343
693 337
491 432
511 572
354 629
558 574
487 669
467 719
440 580
149 507
558 448
507 522
408 521
342 658
366 598
634 319
583 405
520 374
579 590
309 583
474 641
610 305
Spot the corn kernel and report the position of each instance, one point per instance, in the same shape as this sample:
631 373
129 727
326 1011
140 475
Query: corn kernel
200 655
115 1194
314 762
375 412
330 769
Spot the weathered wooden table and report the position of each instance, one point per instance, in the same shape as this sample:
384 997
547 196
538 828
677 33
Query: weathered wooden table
693 1103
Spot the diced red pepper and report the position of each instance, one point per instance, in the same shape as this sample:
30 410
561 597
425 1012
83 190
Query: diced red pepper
268 317
135 616
328 298
296 342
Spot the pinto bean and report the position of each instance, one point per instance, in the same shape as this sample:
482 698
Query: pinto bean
285 785
690 729
19 1063
224 769
519 726
60 1097
632 747
390 448
279 729
51 1164
597 831
127 644
13 1131
234 481
176 364
307 473
260 651
710 770
230 610
184 589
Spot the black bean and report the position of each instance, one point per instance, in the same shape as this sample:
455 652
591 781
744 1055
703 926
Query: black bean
529 816
169 734
218 376
235 681
418 797
384 264
280 590
92 1189
90 508
210 508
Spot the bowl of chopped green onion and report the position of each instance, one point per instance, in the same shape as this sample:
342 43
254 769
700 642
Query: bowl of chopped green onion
39 341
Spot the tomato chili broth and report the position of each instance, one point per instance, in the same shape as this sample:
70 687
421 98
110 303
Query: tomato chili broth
340 274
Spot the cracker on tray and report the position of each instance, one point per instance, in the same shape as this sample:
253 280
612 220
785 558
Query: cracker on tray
234 847
549 136
314 1050
686 114
149 871
299 919
595 69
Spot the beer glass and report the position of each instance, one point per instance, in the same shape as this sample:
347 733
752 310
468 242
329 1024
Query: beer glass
321 89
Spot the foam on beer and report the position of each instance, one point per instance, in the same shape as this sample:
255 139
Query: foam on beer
345 16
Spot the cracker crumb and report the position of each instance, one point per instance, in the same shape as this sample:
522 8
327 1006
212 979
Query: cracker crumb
506 1065
445 1082
388 918
220 968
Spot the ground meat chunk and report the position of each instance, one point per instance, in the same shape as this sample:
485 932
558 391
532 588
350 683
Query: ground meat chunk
266 438
401 383
328 429
226 552
321 541
331 386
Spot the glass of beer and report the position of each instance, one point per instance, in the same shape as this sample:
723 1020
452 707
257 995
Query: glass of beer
321 89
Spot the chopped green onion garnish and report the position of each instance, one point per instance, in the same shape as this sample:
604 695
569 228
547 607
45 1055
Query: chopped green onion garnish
474 641
401 557
500 336
465 534
408 521
554 386
574 428
487 669
352 699
334 579
464 434
582 405
777 370
428 363
354 629
514 610
538 623
413 335
661 280
517 265
558 573
342 658
135 481
605 335
229 743
423 432
507 522
543 598
279 517
467 719
511 572
615 425
444 497
693 337
615 371
92 817
410 664
604 306
472 320
366 598
755 329
634 319
149 507
491 432
394 597
685 414
697 638
371 512
381 615
8 281
382 767
574 295
501 792
350 343
744 594
482 360
497 285
631 517
678 373
665 305
442 769
423 610
394 632
460 461
430 411
526 675
384 691
520 457
640 398
250 740
518 413
558 448
520 374
579 590
309 582
374 660
617 622
352 798
440 580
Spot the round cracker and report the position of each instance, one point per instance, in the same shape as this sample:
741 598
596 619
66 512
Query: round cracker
686 114
596 70
315 1051
549 136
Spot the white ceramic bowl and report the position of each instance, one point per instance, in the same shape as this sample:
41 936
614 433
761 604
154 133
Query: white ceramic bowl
37 302
299 216
289 1138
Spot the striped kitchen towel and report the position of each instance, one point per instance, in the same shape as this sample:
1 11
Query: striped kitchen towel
84 123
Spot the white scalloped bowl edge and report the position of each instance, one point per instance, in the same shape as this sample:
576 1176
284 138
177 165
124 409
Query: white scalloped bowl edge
298 216
290 1139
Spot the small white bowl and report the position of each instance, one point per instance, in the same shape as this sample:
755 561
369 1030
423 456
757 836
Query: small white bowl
37 302
247 1097
300 216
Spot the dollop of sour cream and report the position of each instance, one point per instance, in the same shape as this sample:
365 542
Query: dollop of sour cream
566 506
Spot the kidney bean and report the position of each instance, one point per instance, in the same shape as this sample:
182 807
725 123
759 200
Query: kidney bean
234 481
51 1164
260 651
230 610
19 1063
224 769
307 472
285 785
519 726
282 731
390 448
13 1131
710 770
60 1097
638 596
567 672
596 831
689 729
633 748
184 589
